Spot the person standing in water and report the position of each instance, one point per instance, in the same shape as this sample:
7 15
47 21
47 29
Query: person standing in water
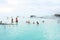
12 20
43 21
28 21
16 19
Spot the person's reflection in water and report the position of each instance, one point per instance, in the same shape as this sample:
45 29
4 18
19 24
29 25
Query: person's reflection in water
4 26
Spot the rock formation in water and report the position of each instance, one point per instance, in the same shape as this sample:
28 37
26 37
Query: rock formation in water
57 15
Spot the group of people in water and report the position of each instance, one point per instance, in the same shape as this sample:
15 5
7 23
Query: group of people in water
34 22
16 20
12 20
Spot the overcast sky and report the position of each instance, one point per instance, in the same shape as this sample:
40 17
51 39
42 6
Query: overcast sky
29 7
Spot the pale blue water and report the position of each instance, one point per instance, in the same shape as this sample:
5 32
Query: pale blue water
50 30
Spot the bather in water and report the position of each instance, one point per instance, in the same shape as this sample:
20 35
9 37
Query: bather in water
12 20
37 22
28 22
16 20
33 22
43 21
